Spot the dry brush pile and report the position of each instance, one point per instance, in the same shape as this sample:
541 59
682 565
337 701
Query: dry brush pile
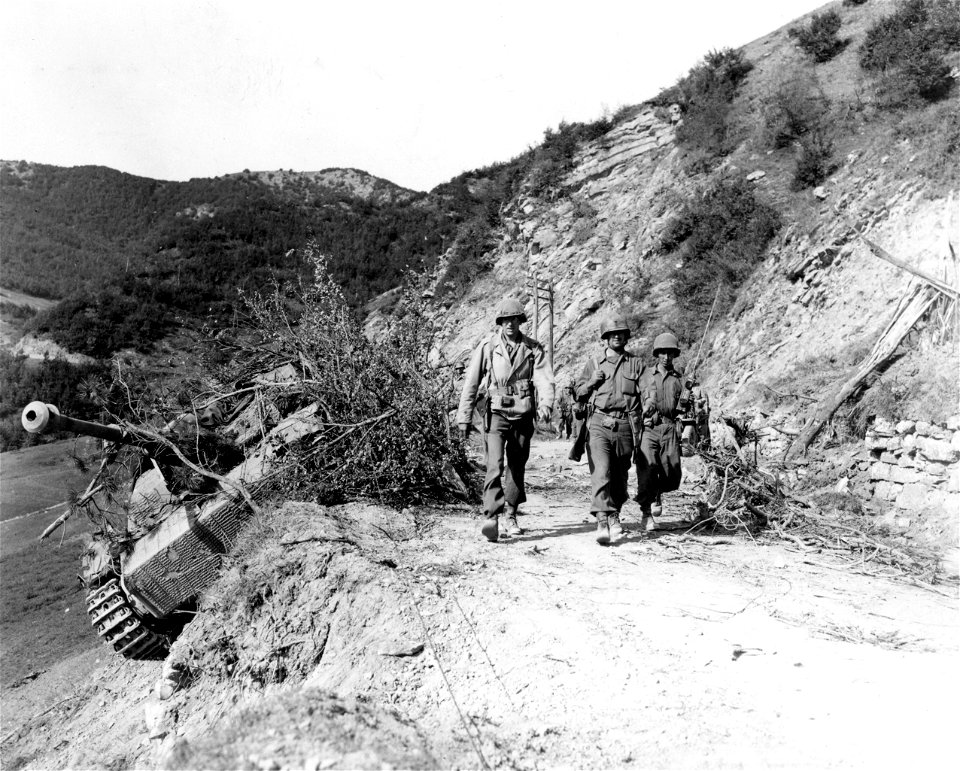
742 497
339 417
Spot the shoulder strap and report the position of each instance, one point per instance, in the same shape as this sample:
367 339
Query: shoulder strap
488 358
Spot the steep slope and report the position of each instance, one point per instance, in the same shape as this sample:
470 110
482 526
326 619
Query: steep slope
817 302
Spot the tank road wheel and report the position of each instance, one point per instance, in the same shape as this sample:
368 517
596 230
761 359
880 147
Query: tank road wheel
118 625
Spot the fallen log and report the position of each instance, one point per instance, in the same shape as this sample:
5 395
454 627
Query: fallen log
910 310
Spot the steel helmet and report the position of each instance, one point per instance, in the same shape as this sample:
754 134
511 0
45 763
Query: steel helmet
509 307
665 342
616 324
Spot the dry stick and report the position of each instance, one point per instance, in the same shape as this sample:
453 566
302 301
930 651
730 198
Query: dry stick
92 489
87 495
797 396
943 286
905 317
703 337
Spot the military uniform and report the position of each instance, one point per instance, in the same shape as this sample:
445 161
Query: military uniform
658 461
611 388
516 374
565 414
614 405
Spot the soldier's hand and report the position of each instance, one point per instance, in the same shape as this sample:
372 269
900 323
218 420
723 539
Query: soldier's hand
596 378
544 414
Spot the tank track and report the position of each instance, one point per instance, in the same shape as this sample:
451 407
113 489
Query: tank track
118 624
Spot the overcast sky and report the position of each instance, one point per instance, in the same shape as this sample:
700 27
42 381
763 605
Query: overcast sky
412 91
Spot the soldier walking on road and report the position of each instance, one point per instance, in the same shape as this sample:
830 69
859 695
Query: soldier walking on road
565 412
658 459
612 388
517 374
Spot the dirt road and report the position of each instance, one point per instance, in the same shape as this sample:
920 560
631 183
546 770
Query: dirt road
543 651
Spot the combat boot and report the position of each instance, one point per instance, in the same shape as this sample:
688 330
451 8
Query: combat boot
616 530
603 532
491 529
644 518
656 508
511 525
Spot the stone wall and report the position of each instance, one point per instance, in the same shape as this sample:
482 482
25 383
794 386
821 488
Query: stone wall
913 465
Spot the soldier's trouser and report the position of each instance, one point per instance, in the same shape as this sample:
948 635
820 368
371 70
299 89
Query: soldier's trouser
565 426
610 452
506 440
658 462
703 428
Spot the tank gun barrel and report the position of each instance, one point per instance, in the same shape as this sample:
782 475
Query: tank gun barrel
40 418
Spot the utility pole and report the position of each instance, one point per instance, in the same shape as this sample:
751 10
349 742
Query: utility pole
542 292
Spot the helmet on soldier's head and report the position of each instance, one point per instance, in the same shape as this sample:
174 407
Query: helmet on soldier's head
666 342
508 308
616 324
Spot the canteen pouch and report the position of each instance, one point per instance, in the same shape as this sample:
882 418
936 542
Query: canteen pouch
512 400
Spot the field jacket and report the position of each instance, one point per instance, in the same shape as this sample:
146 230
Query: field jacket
620 392
661 390
492 367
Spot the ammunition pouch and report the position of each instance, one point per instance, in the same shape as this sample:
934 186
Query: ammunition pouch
513 399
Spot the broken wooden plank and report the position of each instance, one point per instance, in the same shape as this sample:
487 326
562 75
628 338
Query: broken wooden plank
942 286
908 313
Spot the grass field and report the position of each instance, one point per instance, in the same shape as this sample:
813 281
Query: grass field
42 614
38 477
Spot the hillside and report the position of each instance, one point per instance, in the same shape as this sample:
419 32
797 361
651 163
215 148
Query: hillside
620 236
744 209
139 256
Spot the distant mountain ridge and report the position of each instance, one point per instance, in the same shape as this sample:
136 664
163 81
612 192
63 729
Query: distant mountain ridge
65 227
350 182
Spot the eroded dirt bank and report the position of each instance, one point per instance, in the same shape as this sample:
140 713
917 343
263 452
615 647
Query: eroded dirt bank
367 638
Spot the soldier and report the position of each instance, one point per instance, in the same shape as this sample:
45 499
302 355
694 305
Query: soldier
700 400
516 373
612 388
658 459
695 403
565 412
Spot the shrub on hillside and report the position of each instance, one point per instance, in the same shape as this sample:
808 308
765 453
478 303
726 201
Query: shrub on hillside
719 236
705 96
795 107
554 158
814 160
819 38
847 3
469 257
905 51
797 114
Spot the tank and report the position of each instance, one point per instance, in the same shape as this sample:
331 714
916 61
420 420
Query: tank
155 551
